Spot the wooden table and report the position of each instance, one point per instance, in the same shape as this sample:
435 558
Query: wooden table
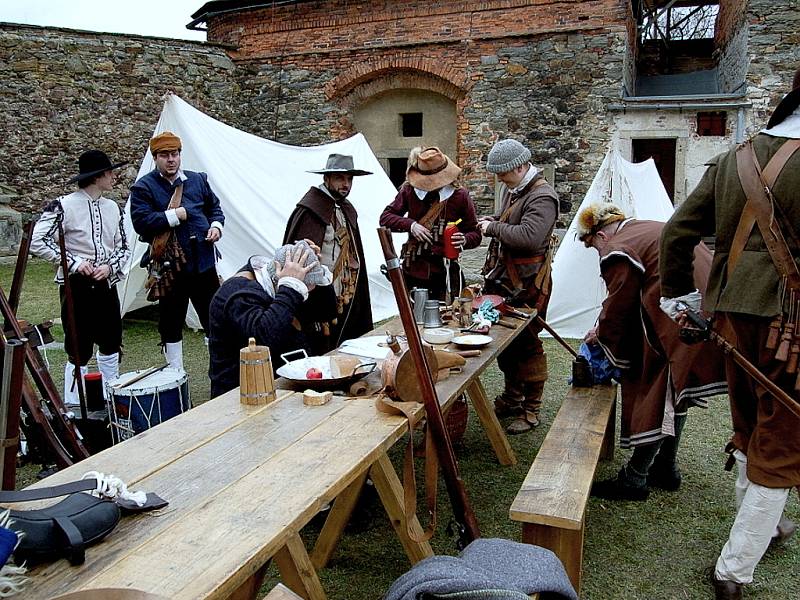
242 481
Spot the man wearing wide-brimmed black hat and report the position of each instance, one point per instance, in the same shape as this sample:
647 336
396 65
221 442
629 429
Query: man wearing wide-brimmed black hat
326 217
97 252
748 195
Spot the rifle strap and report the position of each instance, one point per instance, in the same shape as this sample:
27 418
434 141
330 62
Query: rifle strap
408 409
760 208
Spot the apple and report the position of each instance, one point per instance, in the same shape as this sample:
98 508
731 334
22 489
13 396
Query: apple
313 373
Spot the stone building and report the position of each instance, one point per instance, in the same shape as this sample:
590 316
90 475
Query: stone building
567 77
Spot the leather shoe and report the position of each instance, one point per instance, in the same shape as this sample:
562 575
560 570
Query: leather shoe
668 479
521 425
619 488
726 590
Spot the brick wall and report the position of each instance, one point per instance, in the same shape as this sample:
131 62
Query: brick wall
541 71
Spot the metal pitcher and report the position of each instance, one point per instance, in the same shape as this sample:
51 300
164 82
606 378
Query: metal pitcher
419 296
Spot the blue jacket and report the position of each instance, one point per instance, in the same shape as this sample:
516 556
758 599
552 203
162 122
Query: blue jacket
150 197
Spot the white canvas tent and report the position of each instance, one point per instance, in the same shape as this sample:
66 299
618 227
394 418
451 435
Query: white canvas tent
258 182
578 289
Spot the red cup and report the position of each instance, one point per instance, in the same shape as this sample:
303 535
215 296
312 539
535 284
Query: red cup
449 250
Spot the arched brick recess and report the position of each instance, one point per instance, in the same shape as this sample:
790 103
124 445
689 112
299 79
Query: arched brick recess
430 74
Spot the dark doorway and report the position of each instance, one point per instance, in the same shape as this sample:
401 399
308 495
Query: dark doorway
662 151
397 171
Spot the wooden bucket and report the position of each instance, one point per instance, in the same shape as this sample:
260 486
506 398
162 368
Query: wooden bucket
256 381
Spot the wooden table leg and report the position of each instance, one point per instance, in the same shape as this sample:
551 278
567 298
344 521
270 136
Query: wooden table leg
567 544
390 491
250 588
335 523
296 569
491 425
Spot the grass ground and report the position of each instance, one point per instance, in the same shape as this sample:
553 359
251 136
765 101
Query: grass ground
642 551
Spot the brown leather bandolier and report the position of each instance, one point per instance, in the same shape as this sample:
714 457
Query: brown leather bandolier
166 257
540 286
431 220
761 208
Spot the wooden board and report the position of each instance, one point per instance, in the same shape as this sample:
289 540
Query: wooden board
557 485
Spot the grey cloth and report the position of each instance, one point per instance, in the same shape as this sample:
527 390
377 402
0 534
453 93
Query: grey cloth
487 569
319 275
507 155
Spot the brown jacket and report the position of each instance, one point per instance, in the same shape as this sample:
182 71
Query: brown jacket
525 233
660 374
309 220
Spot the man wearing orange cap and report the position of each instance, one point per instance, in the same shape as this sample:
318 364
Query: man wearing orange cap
178 214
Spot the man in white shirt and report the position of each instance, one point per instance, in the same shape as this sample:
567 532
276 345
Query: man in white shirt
97 252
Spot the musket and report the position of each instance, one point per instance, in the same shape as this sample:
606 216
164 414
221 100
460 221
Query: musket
70 324
556 337
705 328
20 266
462 510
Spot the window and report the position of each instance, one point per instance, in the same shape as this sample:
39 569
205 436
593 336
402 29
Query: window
411 124
711 123
397 171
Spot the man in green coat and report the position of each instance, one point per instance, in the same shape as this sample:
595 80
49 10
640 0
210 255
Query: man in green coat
746 294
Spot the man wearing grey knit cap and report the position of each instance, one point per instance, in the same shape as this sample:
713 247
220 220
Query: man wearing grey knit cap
518 266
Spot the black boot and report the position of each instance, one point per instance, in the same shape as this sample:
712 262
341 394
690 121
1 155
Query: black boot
664 476
622 487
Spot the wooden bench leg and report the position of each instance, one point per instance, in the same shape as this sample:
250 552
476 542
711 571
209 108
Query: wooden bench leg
336 522
491 425
609 438
296 570
567 544
390 491
250 588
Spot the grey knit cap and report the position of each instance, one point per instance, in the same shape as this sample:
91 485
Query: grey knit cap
507 155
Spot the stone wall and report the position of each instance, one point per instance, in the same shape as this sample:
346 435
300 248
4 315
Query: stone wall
774 53
541 71
65 91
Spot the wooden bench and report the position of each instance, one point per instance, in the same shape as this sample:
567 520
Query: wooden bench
551 504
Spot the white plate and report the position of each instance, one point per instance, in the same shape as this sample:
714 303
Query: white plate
473 340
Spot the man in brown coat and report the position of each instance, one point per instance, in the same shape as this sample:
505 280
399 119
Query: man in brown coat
660 375
326 217
747 293
518 265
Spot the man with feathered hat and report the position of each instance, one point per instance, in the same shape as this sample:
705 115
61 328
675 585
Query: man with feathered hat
754 293
327 218
661 376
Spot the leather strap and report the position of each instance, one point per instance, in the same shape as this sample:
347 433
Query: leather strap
407 409
768 177
76 551
159 243
759 194
53 491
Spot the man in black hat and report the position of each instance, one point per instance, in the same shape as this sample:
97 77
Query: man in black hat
97 252
325 217
754 293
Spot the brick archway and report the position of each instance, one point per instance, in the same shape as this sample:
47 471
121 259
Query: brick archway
367 79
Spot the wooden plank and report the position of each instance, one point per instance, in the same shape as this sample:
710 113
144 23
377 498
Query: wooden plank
609 439
336 522
297 571
390 491
218 545
557 485
281 592
151 450
197 478
491 425
567 544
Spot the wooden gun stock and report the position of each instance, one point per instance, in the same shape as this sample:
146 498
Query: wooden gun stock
462 511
